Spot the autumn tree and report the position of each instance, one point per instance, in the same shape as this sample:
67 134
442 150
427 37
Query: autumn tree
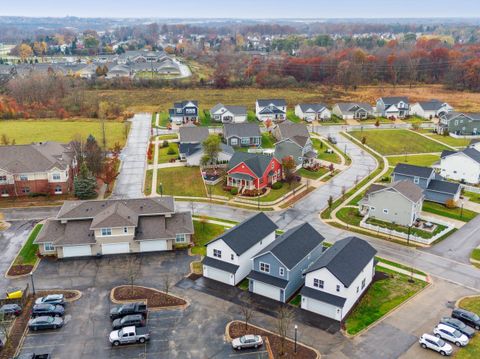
211 148
110 171
25 51
289 166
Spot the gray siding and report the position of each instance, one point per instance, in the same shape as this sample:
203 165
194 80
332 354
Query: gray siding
423 182
437 197
463 126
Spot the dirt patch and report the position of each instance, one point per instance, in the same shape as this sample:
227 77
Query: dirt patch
153 297
237 329
194 276
19 269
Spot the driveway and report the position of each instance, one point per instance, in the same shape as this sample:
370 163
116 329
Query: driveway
129 183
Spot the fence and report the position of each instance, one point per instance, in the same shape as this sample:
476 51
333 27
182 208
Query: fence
300 189
20 301
468 188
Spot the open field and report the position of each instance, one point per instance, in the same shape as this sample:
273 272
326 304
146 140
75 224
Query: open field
418 160
181 181
28 131
451 141
397 142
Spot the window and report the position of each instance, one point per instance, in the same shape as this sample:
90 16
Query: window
125 230
56 176
106 231
338 288
180 238
358 289
372 209
245 141
232 257
281 271
385 210
318 283
48 247
25 189
363 283
234 141
3 178
23 178
264 267
416 180
217 253
4 192
58 189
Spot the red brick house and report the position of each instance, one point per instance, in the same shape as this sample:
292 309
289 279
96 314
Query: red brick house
46 168
253 171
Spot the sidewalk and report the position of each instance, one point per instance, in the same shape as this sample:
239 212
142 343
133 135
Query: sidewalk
457 224
403 271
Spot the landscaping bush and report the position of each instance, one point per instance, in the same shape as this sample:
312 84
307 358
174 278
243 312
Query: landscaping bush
234 191
450 203
165 144
385 179
277 185
171 151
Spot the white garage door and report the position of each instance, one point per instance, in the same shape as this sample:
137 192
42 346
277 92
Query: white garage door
77 251
150 246
115 248
217 274
321 308
266 290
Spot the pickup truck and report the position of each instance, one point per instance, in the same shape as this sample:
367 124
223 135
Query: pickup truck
126 309
129 335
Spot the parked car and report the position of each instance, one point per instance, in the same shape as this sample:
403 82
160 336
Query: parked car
247 341
126 309
129 335
451 334
467 317
9 310
45 322
57 299
47 309
428 341
332 139
136 320
33 356
459 325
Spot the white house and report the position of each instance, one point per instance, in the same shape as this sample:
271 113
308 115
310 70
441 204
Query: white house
461 166
273 109
228 114
335 282
395 106
430 109
352 110
312 112
192 153
228 258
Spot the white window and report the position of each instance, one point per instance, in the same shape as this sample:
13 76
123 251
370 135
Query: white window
106 231
234 141
372 209
416 180
281 271
385 210
180 238
318 283
217 253
338 288
363 283
125 230
25 189
264 267
23 178
48 247
56 176
245 140
3 178
58 189
232 257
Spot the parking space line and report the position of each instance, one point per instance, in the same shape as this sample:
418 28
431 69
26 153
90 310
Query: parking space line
249 353
40 334
42 346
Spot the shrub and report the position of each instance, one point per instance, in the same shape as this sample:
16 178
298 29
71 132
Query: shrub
450 203
165 144
385 179
277 185
171 151
234 191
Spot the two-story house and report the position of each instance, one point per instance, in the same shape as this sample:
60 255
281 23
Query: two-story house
228 114
434 187
92 228
335 283
352 110
395 106
460 124
312 112
271 109
242 134
46 168
184 112
228 258
277 270
399 202
293 140
461 166
430 109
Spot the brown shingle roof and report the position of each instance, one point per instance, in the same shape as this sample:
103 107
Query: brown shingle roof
406 188
116 215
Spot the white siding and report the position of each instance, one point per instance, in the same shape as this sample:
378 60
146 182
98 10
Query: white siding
321 308
460 167
77 251
151 246
266 290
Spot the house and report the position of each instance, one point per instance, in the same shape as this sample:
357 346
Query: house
434 187
271 109
352 110
183 112
92 228
460 124
228 258
430 109
242 134
118 71
397 107
193 134
399 202
252 171
293 140
312 112
228 114
45 167
475 144
192 153
463 166
277 269
335 283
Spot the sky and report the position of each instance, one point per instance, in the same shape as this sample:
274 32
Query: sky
243 8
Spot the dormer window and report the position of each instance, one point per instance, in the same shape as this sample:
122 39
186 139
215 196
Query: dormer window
56 176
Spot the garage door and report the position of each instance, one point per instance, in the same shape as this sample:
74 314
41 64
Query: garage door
150 246
77 251
115 248
266 290
217 274
321 308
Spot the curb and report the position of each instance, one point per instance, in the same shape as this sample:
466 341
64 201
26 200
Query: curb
466 297
155 309
78 293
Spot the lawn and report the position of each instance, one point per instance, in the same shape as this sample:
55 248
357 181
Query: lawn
296 300
451 141
472 350
28 131
275 194
181 181
311 174
418 160
320 146
204 232
350 215
164 157
382 296
292 117
268 141
243 285
397 142
472 197
148 182
28 253
454 213
476 254
171 136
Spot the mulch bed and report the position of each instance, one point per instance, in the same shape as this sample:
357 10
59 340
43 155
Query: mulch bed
19 269
16 333
194 276
68 294
237 329
154 299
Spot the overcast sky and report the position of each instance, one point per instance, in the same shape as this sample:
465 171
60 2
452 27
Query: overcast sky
243 8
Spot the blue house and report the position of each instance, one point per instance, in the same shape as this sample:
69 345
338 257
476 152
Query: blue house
183 112
277 270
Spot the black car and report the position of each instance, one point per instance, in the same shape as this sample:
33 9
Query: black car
47 309
11 310
133 320
127 309
467 317
45 323
459 325
33 356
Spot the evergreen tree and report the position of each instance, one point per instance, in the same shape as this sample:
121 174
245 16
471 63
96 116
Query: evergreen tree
85 184
93 156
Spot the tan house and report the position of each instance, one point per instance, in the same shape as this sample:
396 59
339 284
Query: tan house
90 228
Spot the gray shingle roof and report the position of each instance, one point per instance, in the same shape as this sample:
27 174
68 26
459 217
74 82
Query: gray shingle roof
470 152
116 215
275 102
161 227
452 115
236 110
412 170
323 296
393 100
443 186
432 105
316 107
407 188
246 234
269 279
193 134
296 132
258 163
241 130
225 266
345 259
350 107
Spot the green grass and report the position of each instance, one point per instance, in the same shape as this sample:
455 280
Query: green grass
181 181
296 300
275 194
476 254
218 219
350 215
401 266
472 197
292 117
251 117
164 157
451 141
28 253
382 296
397 142
148 182
320 146
472 350
268 141
28 131
418 160
454 213
243 285
172 136
414 231
204 233
312 175
218 190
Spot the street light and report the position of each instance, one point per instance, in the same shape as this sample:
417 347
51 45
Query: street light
161 189
295 347
461 209
33 283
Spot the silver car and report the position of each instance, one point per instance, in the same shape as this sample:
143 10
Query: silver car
247 341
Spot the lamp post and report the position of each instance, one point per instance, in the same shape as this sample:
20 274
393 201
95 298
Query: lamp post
295 347
461 210
408 236
161 189
33 283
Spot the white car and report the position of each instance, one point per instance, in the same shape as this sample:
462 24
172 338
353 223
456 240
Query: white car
428 341
247 341
451 334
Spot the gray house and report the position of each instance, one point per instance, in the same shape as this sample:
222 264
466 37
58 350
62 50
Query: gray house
277 270
228 114
434 187
397 106
242 134
293 140
461 124
352 110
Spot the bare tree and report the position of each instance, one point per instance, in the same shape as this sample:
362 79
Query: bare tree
284 321
133 271
247 312
166 283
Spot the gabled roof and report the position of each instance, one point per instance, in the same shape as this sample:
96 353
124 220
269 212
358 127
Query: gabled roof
222 265
275 102
189 149
412 170
241 130
345 259
185 103
294 245
322 296
297 132
350 107
315 107
393 100
431 105
258 163
248 233
453 115
436 185
193 134
116 215
236 110
470 152
269 279
406 188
